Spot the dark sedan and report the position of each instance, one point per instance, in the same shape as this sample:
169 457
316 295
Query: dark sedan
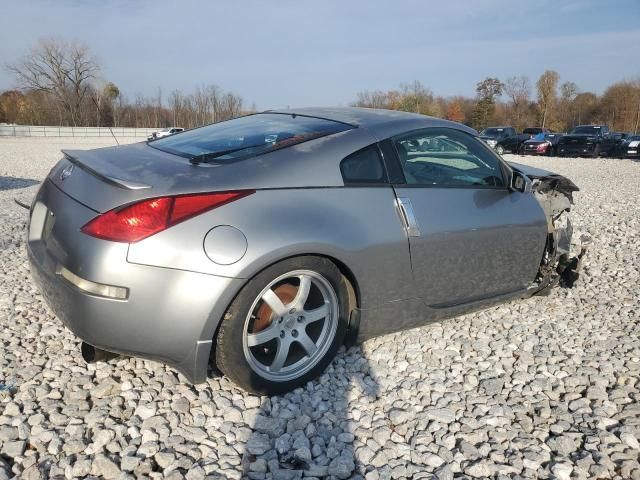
631 147
542 144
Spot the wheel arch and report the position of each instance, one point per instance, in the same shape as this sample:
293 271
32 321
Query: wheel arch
353 294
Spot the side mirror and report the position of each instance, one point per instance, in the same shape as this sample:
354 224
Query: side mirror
518 183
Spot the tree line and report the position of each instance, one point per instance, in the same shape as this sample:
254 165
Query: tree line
516 102
61 83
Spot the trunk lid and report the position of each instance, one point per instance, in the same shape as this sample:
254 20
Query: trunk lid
106 178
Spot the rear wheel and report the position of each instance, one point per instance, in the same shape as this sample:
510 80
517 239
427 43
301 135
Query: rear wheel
284 327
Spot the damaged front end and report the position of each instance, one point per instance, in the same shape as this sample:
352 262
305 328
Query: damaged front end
560 264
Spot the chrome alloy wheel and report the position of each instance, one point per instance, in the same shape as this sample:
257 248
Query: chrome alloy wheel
290 325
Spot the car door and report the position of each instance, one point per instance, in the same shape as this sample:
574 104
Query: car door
608 142
509 143
470 236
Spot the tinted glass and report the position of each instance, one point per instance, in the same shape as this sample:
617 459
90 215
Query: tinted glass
448 158
363 166
248 136
587 130
493 132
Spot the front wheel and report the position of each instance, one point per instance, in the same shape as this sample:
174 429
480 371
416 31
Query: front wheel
499 149
284 327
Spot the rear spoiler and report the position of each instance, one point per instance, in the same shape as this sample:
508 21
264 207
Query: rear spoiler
118 182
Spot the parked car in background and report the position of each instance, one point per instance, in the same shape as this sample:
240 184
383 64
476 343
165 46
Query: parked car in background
621 139
266 258
512 144
541 144
587 140
165 132
535 130
506 139
630 148
492 135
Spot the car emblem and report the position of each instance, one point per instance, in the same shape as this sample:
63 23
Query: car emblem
66 172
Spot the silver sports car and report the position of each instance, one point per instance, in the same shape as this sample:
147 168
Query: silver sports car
264 243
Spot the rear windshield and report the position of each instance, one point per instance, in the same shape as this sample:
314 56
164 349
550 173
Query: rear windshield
587 130
247 136
492 132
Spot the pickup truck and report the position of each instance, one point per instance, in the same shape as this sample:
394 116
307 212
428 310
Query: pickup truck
587 140
492 135
506 139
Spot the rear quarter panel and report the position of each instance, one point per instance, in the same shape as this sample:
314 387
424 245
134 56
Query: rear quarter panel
357 226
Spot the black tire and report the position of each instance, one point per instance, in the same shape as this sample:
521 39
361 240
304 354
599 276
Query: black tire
229 353
596 151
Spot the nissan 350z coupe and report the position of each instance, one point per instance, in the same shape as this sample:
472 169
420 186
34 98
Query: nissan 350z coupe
264 243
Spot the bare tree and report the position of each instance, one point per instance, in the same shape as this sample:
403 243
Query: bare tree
518 89
60 68
11 102
547 86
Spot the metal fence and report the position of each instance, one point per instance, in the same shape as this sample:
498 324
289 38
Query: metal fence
39 131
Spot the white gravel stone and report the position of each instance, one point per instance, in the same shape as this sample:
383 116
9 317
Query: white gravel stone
146 410
544 387
562 471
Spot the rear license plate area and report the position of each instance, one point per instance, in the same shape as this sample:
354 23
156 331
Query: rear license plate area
41 222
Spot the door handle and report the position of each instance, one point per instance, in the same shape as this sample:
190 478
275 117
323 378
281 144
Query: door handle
407 215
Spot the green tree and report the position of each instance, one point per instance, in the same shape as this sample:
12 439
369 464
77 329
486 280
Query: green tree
487 90
112 93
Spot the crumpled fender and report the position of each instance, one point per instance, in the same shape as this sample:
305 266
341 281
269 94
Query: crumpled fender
555 194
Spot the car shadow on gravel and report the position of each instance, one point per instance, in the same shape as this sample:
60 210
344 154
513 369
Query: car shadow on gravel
310 432
16 183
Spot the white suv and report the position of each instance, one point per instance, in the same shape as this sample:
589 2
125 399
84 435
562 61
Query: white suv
165 132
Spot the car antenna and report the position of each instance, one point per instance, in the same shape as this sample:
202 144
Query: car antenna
114 137
99 111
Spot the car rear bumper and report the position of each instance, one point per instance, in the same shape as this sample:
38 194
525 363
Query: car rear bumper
534 151
168 315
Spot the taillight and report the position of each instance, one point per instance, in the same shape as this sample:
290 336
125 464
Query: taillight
145 218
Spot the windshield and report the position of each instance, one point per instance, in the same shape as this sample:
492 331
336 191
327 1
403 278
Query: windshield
492 132
588 130
248 136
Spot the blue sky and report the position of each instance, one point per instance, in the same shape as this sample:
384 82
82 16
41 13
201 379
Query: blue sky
322 52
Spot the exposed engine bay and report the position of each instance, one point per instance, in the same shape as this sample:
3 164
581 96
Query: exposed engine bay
563 253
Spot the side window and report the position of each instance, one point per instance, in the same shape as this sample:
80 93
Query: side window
446 157
363 166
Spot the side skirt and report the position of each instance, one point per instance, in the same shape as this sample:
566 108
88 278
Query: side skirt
411 313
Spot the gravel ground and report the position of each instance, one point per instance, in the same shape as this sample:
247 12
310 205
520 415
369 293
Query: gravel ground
547 387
